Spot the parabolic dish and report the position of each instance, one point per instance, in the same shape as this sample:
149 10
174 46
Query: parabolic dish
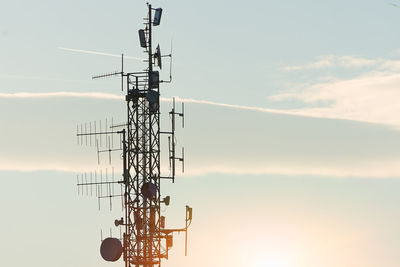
111 249
157 56
149 190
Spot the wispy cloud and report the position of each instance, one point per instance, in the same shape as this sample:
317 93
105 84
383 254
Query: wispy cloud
332 61
370 97
45 166
97 53
256 154
27 77
226 105
362 169
393 4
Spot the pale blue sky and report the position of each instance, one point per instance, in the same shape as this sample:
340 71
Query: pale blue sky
305 167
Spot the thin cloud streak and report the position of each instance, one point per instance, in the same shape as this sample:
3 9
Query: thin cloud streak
332 61
357 168
323 112
25 77
97 53
370 98
46 166
367 97
372 170
242 107
99 95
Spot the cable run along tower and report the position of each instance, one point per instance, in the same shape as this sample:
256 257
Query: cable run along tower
145 240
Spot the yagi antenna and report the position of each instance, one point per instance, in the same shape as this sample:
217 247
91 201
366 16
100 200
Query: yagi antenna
115 73
86 183
86 132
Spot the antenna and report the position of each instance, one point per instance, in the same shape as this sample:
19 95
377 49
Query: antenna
86 183
115 73
122 71
172 140
170 65
157 17
142 38
144 239
157 57
111 249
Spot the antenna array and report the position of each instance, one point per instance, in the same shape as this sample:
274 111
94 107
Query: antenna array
145 240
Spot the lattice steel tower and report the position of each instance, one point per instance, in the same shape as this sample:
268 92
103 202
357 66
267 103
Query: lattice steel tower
142 243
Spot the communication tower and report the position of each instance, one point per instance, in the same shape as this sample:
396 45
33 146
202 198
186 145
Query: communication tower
145 240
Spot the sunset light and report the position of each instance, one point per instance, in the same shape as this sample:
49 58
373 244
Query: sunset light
200 133
271 250
268 260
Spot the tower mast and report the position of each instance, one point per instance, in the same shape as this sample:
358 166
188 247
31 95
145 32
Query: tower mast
144 227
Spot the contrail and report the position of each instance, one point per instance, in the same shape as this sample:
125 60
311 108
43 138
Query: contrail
305 113
96 95
251 108
25 77
107 96
99 95
97 53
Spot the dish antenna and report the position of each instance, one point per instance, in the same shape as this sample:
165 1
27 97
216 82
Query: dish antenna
157 56
170 62
111 249
149 190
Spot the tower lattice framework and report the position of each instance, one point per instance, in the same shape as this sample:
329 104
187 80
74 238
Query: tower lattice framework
142 243
142 238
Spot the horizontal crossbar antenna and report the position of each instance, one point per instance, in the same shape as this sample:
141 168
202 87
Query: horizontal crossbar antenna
107 75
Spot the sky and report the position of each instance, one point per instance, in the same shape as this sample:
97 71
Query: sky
292 133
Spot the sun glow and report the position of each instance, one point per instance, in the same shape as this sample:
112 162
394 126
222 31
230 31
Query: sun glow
271 260
276 249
